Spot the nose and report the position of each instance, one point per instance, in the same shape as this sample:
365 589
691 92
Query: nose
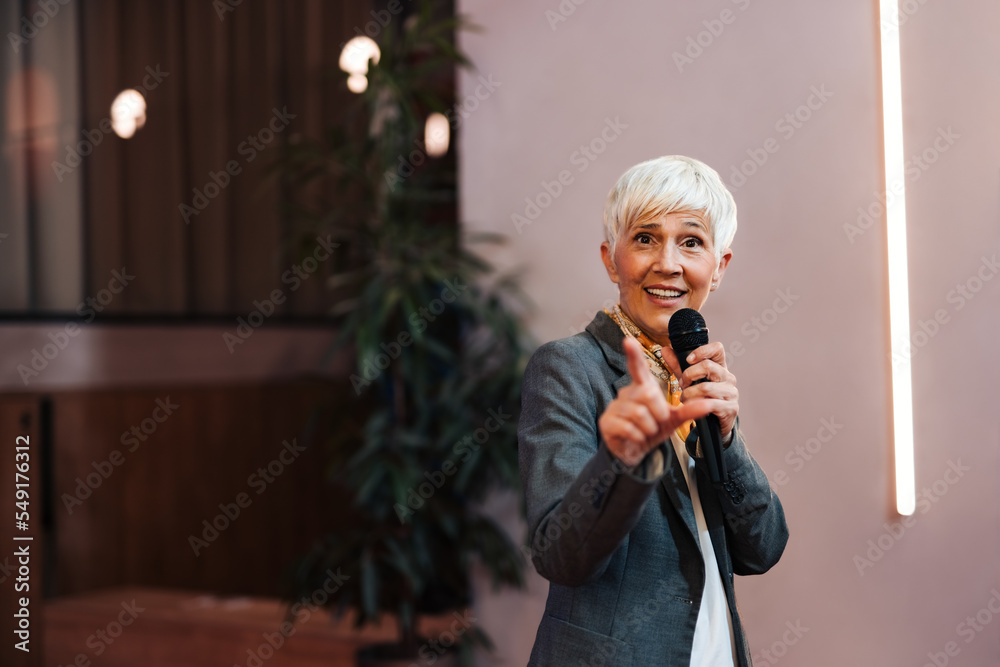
668 261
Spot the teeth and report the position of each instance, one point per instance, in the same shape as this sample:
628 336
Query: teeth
666 293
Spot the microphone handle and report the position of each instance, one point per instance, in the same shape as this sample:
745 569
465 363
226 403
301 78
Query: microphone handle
710 434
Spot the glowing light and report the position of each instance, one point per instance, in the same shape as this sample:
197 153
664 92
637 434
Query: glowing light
128 113
357 83
437 134
899 292
354 60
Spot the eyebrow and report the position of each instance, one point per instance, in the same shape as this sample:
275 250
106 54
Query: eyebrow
690 222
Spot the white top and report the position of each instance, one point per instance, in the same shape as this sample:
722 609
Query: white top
713 631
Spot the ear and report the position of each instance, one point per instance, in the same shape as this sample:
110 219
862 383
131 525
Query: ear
720 270
609 262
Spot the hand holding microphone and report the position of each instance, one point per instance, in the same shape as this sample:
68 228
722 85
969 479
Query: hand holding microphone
704 376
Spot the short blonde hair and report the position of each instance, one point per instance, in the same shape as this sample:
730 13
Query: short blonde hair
665 185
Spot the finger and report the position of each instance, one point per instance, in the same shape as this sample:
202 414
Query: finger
726 411
688 411
725 408
713 351
637 366
670 359
659 408
623 431
647 408
722 391
709 370
641 415
624 440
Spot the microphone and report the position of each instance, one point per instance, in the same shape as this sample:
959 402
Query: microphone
687 333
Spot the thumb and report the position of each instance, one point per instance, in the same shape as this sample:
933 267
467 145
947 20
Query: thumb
637 366
689 411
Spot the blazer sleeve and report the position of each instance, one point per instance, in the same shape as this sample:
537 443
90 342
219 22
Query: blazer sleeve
580 501
756 531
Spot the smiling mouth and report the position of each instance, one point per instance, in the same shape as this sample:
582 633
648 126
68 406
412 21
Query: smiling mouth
664 293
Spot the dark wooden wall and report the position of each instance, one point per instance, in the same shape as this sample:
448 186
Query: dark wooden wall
134 528
226 76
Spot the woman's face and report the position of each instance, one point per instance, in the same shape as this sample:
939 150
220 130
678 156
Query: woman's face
663 265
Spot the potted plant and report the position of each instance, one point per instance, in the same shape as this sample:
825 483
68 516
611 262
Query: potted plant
428 427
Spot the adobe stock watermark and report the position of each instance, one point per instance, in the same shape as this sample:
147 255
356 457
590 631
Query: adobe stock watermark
304 607
588 315
786 126
7 570
964 292
380 19
105 637
636 619
562 12
968 629
274 641
435 649
406 165
779 647
93 138
757 325
703 40
47 10
103 469
231 511
807 451
913 169
376 363
907 8
224 7
552 528
581 158
88 308
461 451
249 148
294 276
892 533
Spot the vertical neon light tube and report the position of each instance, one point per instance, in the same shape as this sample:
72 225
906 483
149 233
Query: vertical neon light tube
899 293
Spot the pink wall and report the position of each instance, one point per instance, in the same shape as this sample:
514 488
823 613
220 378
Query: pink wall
555 85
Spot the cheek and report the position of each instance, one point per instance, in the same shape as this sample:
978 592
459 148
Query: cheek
631 268
704 271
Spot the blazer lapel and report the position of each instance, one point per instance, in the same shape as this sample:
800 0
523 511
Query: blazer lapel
676 487
610 337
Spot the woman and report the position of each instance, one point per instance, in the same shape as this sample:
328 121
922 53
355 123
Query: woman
638 544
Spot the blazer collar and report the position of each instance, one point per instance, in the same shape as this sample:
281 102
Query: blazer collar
609 337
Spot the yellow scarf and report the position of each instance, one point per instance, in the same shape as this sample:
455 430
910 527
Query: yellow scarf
654 358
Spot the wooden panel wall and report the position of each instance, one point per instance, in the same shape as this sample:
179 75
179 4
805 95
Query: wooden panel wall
226 75
125 508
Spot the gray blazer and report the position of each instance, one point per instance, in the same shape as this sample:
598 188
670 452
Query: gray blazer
620 547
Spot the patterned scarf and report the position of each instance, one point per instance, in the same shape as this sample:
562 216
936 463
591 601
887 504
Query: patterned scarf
654 358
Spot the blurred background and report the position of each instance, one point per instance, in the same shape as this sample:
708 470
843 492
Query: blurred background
247 322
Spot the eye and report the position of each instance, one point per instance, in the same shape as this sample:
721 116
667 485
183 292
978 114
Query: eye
693 242
644 238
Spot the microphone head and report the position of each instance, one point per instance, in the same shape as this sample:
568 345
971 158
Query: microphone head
687 330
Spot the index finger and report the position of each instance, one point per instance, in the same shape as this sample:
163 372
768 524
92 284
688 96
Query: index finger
713 351
637 366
